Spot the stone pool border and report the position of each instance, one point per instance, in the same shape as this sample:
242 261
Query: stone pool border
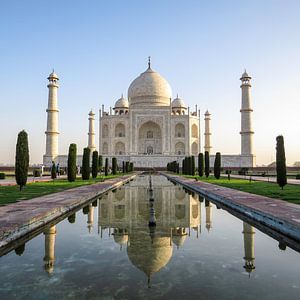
279 215
22 218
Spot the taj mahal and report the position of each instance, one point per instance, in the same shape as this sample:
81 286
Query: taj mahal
151 128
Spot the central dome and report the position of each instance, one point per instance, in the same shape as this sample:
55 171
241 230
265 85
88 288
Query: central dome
150 88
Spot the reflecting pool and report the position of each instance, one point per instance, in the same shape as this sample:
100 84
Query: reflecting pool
123 246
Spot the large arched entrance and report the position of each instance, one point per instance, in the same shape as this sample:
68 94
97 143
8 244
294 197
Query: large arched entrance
150 139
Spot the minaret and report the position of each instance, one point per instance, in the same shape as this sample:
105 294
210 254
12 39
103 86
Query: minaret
91 133
49 257
208 211
249 258
246 120
52 121
90 220
207 133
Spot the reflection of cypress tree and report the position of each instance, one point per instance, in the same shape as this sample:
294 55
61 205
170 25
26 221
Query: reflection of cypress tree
200 164
20 250
22 159
95 164
280 162
86 164
72 218
217 165
72 162
206 157
94 203
85 210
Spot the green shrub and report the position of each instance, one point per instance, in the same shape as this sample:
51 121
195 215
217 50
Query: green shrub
22 159
217 165
72 169
2 175
100 163
114 166
280 162
95 164
298 176
123 167
206 158
200 164
193 165
106 166
86 164
127 166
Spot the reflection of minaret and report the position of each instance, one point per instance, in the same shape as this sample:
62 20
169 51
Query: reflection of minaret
49 257
208 209
248 233
90 220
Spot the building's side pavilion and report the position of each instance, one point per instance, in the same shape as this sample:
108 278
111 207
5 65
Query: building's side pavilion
149 129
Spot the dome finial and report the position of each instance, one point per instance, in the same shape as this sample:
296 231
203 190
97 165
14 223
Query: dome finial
149 62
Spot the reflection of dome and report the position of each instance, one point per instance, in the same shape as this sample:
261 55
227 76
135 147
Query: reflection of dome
179 240
121 239
150 88
122 103
149 255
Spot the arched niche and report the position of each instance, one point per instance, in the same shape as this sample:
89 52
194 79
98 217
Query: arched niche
180 148
105 131
119 148
179 130
194 131
194 148
150 138
105 148
120 130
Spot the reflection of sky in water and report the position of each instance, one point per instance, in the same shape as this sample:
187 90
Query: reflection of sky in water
195 251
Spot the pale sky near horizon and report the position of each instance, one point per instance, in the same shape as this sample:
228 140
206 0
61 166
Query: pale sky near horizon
201 47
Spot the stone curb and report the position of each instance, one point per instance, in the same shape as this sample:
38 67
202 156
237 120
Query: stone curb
41 220
276 223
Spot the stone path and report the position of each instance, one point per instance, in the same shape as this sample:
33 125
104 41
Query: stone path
279 215
9 181
21 218
266 179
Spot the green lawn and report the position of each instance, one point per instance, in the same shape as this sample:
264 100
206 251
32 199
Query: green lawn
289 193
11 194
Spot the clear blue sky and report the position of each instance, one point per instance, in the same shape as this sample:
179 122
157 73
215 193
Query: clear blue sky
201 47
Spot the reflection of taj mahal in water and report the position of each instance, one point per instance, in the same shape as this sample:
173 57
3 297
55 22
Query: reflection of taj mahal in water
124 214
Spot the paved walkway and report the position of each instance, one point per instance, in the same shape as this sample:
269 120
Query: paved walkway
21 218
10 180
259 178
279 215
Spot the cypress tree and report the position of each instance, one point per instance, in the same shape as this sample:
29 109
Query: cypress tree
217 165
193 165
189 165
206 158
200 164
22 159
127 166
53 171
280 162
123 167
106 167
131 167
95 164
100 163
114 165
86 164
72 162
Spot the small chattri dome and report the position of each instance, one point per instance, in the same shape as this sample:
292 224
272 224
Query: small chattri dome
53 75
178 103
122 103
245 75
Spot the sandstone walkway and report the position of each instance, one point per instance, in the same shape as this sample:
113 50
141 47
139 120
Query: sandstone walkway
281 216
265 179
21 218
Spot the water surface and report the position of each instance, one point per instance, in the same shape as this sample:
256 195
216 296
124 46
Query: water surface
107 250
